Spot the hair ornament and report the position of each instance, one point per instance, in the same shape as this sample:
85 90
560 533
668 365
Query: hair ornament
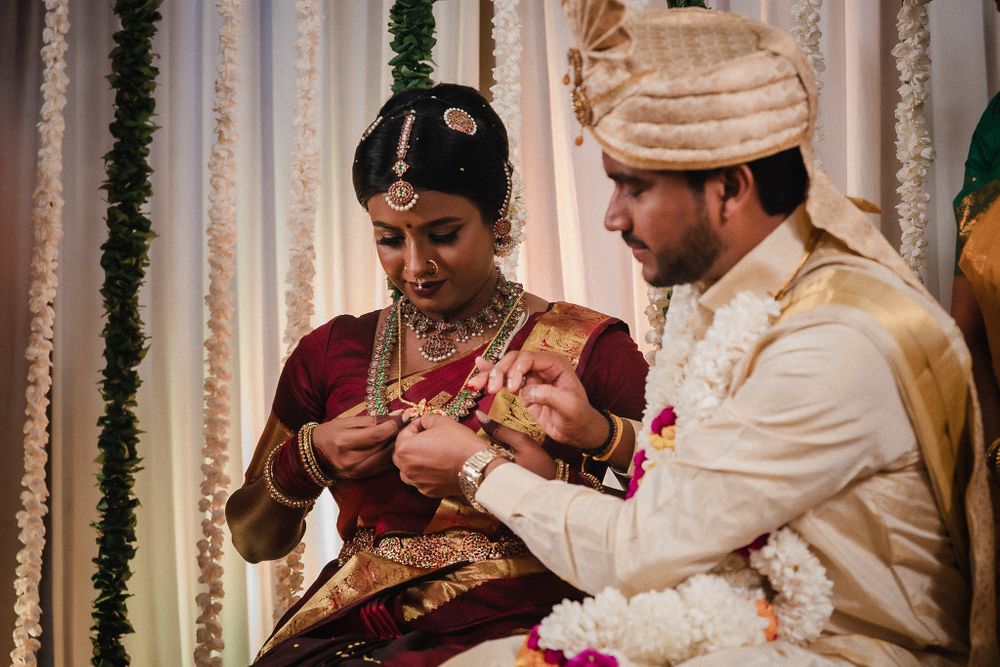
401 195
503 240
460 121
371 128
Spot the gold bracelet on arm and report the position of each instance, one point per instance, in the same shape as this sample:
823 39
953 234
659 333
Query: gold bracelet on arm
562 470
308 455
275 493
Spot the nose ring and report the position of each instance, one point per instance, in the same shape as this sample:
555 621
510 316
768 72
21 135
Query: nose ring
433 271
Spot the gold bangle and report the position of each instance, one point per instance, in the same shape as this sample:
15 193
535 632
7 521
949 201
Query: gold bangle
562 470
618 429
993 457
308 455
592 481
276 494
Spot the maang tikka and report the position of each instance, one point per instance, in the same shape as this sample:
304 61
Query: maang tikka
401 195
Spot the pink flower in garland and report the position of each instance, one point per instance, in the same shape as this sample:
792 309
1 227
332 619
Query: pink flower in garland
582 659
548 655
639 471
592 657
663 431
663 435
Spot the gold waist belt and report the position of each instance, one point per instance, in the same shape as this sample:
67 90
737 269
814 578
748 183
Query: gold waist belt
434 550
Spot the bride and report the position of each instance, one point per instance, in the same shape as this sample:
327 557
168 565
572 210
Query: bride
420 579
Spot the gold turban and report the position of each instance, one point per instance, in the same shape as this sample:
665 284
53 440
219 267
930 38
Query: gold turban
683 89
688 88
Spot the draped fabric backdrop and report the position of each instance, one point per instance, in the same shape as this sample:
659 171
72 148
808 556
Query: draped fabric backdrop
567 256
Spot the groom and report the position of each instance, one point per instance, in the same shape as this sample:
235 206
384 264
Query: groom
815 383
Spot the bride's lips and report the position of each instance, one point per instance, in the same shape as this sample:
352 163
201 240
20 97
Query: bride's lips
425 289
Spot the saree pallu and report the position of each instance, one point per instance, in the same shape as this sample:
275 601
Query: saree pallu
421 579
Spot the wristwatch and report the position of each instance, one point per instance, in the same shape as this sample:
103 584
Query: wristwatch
471 474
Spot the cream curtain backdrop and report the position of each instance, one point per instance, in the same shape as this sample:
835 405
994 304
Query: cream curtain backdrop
567 254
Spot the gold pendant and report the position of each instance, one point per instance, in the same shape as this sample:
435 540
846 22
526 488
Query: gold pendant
417 410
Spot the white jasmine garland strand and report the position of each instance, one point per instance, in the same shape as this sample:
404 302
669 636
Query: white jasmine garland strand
704 614
507 103
301 221
807 33
667 371
47 207
656 313
220 300
803 601
913 141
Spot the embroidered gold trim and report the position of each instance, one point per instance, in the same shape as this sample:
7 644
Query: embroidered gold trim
565 330
432 551
428 595
974 204
364 575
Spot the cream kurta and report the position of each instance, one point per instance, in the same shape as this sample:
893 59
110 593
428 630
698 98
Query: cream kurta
813 434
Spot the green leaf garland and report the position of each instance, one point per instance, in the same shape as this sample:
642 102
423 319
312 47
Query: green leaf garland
411 23
124 260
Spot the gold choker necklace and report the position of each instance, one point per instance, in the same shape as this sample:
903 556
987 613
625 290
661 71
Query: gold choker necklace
442 338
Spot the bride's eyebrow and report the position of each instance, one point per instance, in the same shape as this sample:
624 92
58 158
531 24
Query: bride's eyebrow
432 223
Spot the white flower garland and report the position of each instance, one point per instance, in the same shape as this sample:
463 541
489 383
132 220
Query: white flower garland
913 141
220 299
807 33
704 614
305 174
507 103
707 612
47 207
656 312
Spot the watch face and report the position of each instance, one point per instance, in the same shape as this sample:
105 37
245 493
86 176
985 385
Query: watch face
471 474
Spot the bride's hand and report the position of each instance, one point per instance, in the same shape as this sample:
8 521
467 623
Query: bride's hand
357 447
431 450
550 391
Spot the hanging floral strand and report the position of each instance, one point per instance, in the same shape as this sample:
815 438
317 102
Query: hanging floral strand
913 141
301 221
411 23
47 222
807 33
124 259
507 103
220 298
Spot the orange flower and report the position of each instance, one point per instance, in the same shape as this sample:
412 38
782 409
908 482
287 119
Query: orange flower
765 610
